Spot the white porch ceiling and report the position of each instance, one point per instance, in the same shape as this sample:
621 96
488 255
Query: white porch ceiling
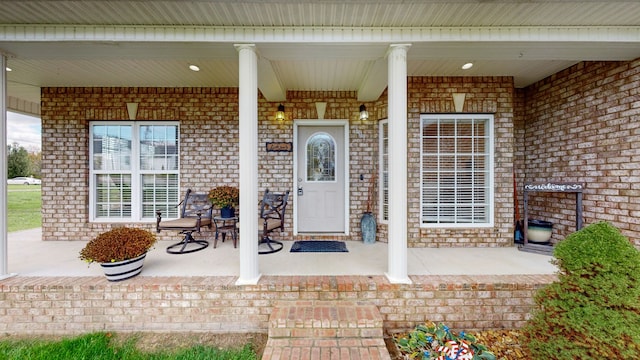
303 45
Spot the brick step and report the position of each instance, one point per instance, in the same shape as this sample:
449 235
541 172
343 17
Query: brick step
343 349
325 330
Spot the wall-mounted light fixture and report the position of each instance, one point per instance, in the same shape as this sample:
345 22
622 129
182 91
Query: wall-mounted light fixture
364 114
280 112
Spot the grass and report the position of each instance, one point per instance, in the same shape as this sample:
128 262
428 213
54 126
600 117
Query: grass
101 346
24 203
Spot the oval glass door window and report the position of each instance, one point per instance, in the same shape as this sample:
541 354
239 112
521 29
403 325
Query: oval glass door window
321 158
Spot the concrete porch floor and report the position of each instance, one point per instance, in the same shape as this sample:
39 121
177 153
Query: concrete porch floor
30 256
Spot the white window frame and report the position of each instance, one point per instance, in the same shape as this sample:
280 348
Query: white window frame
383 169
489 166
135 172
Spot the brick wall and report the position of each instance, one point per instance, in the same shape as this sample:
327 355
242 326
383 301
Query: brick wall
493 95
209 147
74 305
583 125
208 121
276 169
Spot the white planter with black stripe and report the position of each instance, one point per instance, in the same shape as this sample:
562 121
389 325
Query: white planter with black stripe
122 270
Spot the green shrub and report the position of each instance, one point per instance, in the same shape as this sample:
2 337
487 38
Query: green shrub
593 310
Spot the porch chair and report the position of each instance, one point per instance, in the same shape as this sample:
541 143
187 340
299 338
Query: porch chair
272 214
196 212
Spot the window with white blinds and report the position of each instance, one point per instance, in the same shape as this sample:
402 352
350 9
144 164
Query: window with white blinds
456 170
134 170
383 178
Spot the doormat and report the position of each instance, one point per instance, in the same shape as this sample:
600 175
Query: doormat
319 246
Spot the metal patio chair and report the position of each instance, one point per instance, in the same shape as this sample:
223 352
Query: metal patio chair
196 212
272 215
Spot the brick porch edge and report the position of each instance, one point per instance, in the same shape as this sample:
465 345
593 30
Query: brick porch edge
73 305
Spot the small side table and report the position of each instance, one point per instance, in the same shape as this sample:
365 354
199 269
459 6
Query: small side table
226 225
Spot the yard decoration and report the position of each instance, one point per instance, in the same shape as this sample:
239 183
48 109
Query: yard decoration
593 310
120 251
438 342
226 198
368 225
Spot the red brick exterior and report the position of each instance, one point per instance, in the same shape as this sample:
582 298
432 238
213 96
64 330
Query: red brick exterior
493 95
583 125
580 124
74 305
209 146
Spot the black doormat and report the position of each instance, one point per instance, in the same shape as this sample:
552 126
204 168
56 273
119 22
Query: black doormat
319 246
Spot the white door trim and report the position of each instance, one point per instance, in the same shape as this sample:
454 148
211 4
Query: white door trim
337 123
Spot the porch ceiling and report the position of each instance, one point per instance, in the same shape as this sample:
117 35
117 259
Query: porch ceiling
303 45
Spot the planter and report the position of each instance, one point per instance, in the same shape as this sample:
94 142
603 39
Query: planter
227 212
122 270
539 231
368 227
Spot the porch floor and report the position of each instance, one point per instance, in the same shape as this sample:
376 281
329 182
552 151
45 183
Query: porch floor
30 256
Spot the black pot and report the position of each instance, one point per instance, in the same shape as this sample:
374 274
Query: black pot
540 224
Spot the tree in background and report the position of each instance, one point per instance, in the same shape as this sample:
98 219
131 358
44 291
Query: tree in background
17 161
35 164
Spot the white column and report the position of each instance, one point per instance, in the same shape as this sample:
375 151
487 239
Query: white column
248 164
397 57
4 237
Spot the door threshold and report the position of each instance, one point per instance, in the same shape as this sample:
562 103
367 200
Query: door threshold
322 236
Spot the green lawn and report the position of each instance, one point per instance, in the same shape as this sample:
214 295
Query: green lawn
100 346
24 203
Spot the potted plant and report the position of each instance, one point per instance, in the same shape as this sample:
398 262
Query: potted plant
226 198
120 251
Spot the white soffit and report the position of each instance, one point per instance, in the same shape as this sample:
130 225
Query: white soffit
88 33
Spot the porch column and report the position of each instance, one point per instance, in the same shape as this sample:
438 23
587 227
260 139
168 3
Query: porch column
248 163
397 57
4 237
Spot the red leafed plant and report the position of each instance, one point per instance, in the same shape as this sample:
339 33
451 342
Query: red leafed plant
118 244
224 196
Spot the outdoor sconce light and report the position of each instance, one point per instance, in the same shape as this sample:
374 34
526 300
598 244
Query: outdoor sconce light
280 112
364 114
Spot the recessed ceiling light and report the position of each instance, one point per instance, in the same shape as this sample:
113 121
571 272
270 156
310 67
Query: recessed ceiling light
194 68
467 66
8 69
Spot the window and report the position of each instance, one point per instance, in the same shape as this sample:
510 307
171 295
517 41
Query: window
383 178
457 170
321 158
134 170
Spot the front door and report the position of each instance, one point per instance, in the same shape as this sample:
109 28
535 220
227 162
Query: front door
320 173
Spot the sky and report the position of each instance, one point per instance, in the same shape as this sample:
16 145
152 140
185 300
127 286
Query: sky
24 130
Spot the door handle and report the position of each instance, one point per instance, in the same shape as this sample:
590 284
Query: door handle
300 192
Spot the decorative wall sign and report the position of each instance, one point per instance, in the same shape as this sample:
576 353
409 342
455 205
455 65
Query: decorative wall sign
279 147
554 187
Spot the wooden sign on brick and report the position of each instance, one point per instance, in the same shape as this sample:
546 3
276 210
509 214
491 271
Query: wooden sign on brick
279 147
